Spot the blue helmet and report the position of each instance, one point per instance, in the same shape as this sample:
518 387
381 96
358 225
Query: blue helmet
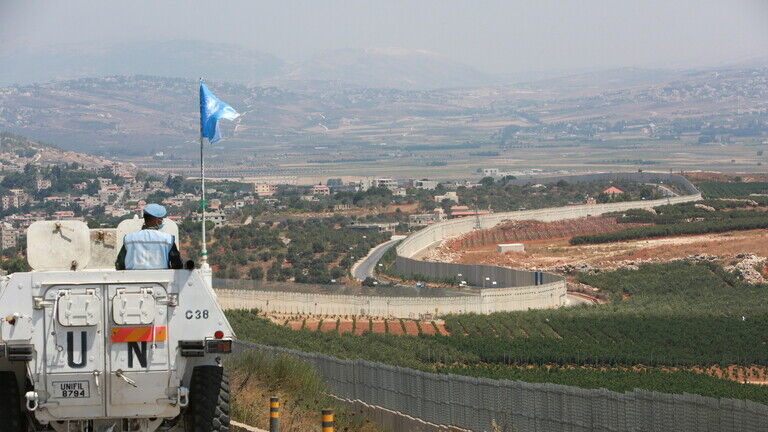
155 210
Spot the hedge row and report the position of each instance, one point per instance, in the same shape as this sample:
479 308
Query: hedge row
685 228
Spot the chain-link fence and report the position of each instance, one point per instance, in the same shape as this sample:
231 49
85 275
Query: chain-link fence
474 403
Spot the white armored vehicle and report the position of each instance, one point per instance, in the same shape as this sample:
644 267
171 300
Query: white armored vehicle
86 348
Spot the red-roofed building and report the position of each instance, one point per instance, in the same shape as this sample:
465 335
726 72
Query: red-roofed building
320 190
464 211
613 191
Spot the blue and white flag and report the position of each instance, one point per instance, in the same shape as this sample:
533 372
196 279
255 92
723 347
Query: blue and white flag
211 110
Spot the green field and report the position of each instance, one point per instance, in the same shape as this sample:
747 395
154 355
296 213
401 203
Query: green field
674 315
731 190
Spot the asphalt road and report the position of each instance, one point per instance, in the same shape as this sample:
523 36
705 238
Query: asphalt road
364 268
574 300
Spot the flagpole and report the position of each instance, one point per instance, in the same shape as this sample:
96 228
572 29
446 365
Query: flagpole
211 110
204 248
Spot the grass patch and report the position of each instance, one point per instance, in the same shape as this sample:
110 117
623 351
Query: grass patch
256 376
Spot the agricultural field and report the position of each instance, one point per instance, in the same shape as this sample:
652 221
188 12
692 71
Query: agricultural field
727 228
673 327
360 325
732 189
528 230
305 251
708 216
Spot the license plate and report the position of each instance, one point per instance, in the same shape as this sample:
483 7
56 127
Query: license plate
71 389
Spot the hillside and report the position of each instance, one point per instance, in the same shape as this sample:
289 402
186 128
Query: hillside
17 151
386 67
599 121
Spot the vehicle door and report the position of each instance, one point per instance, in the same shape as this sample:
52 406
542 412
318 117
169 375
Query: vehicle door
74 351
141 381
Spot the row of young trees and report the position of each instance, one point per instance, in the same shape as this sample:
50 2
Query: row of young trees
708 216
685 228
732 189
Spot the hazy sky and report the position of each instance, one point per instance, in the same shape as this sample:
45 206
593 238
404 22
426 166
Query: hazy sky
494 36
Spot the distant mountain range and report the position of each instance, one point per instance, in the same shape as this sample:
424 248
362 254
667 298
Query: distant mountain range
394 68
373 67
182 59
385 67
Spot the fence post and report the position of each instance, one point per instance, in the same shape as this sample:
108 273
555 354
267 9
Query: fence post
274 414
327 421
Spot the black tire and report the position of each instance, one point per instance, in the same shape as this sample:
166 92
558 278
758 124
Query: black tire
208 409
11 416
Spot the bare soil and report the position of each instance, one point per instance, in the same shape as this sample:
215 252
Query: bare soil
361 324
551 253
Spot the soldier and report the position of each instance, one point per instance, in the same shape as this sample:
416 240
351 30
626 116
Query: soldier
150 248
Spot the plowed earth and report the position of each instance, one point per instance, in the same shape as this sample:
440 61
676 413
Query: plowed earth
363 324
529 230
551 253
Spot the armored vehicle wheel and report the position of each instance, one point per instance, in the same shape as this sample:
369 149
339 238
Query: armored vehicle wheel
11 416
208 409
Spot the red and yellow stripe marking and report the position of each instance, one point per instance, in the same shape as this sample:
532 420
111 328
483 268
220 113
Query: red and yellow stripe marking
138 334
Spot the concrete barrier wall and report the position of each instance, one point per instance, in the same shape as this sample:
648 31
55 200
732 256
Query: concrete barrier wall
515 289
475 274
417 242
408 264
543 296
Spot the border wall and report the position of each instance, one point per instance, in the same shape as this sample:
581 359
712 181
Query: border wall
514 289
409 249
473 403
488 300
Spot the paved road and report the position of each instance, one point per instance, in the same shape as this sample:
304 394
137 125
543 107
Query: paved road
669 192
364 268
574 300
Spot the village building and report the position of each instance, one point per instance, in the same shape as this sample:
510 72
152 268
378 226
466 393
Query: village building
264 189
464 211
450 196
9 236
16 199
424 219
320 190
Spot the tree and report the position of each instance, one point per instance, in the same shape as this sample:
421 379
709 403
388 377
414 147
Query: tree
487 181
338 273
175 183
13 265
256 273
